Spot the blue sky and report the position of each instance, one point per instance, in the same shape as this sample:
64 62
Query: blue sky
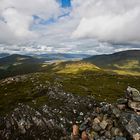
66 3
77 26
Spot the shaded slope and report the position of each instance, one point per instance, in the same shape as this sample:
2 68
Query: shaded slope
125 60
16 58
4 55
19 64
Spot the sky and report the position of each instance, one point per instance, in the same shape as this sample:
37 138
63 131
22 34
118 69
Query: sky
69 26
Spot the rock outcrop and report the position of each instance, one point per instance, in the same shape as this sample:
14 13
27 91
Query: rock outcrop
27 123
129 108
101 121
51 121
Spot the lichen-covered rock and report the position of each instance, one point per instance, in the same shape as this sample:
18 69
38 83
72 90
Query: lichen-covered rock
136 136
103 124
131 123
86 124
116 131
121 106
101 121
122 101
134 105
27 123
132 93
96 127
96 120
116 112
51 121
120 138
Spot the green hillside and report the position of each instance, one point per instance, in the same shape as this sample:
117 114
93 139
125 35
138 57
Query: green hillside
77 77
16 64
125 60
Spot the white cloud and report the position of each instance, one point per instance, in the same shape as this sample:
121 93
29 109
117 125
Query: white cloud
17 23
91 27
17 18
109 20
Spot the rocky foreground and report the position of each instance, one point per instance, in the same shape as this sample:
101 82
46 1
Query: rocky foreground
53 121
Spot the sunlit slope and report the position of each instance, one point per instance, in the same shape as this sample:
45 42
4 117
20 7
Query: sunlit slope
74 67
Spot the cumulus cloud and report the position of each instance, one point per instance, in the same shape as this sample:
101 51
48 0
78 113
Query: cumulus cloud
90 26
108 20
17 23
16 18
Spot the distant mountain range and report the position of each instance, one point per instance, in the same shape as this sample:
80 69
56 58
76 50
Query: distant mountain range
17 59
125 60
61 56
51 56
16 64
4 55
